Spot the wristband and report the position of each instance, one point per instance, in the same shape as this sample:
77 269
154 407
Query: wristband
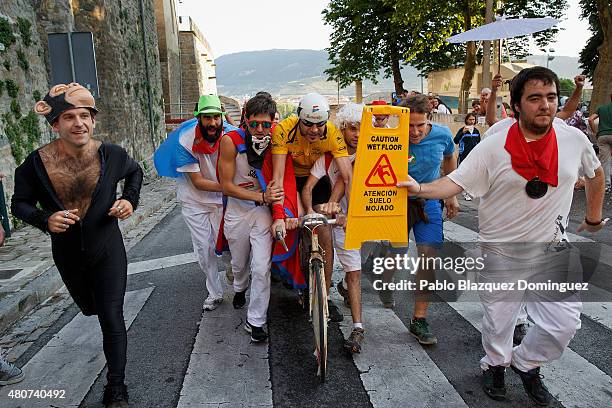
278 212
592 224
263 198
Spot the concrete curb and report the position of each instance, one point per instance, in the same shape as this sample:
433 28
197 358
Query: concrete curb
16 305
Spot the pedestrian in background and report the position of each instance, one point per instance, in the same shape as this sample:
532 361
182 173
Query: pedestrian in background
467 138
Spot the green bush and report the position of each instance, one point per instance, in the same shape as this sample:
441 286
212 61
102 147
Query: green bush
25 31
37 96
1 88
22 60
15 108
12 88
7 64
6 33
23 135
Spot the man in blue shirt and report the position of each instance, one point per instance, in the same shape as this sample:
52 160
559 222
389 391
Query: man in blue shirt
431 146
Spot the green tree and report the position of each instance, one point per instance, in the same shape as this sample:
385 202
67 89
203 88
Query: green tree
567 86
596 56
364 41
589 56
446 18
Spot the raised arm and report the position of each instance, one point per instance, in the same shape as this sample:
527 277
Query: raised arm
491 115
572 103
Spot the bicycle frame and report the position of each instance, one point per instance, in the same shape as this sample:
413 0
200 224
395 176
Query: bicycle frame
318 309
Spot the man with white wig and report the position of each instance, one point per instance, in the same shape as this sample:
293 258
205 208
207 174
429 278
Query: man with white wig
348 120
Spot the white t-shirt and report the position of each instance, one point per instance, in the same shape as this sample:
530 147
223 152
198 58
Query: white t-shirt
318 170
505 212
186 192
442 109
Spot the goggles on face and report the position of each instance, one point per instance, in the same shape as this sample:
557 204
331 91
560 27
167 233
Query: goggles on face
253 124
310 124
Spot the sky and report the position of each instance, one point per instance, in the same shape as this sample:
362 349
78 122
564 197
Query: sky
294 24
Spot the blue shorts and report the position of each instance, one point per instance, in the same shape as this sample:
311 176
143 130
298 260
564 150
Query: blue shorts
431 233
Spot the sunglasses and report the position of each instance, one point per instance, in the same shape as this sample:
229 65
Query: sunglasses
535 188
264 124
309 124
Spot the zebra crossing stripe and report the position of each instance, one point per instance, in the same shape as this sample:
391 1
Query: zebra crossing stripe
225 369
562 380
565 377
161 263
394 367
73 358
600 312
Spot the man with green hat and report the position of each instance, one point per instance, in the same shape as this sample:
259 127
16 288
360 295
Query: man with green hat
190 155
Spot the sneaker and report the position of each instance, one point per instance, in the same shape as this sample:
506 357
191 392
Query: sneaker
353 343
493 382
239 300
520 331
344 293
532 381
258 334
334 314
212 303
420 329
9 373
115 396
466 196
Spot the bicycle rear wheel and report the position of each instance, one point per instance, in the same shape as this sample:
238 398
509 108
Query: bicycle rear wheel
319 314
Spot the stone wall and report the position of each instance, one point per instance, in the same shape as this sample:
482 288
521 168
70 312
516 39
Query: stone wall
23 79
128 116
122 73
169 55
197 65
190 88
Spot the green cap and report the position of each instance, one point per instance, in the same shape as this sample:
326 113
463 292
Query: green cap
208 105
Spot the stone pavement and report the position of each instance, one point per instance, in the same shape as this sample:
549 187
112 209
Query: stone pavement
28 276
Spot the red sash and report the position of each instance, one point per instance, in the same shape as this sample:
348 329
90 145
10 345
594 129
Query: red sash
539 158
201 145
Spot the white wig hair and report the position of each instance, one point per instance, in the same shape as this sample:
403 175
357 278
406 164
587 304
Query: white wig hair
349 113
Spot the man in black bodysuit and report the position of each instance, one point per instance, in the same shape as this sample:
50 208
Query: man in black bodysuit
73 180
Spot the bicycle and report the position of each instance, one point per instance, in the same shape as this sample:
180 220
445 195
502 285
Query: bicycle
317 289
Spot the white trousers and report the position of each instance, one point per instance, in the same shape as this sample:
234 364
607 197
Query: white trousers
203 223
555 322
248 233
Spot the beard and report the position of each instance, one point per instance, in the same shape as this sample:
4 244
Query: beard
537 129
207 136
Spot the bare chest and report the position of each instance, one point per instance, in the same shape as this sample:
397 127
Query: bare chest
74 179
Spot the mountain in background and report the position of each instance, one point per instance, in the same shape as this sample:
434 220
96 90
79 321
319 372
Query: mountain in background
288 73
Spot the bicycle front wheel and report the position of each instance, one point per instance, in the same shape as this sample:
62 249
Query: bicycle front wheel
319 314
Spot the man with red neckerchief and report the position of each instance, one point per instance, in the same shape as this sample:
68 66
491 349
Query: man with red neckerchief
190 155
524 174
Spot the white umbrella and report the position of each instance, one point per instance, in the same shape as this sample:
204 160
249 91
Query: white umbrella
504 28
500 29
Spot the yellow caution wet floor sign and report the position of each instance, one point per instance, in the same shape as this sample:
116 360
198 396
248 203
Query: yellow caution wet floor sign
377 208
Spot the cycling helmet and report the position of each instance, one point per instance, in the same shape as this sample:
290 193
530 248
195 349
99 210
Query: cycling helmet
314 108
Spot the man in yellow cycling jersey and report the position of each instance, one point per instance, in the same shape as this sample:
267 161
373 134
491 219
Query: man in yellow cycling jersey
305 138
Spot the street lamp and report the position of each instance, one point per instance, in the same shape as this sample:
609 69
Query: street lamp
548 56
